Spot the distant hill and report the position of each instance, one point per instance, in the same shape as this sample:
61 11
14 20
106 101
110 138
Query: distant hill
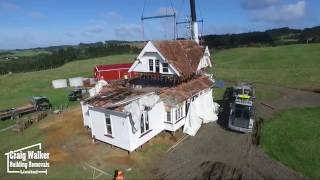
272 37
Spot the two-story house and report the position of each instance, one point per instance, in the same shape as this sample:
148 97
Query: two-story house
171 91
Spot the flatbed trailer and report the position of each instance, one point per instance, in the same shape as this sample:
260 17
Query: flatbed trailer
17 112
37 103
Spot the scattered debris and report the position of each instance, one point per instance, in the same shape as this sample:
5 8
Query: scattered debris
219 170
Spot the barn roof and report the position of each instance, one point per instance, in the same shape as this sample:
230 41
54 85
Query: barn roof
184 55
113 66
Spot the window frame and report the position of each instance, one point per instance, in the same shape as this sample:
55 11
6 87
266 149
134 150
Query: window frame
151 65
144 122
169 118
107 117
157 65
165 67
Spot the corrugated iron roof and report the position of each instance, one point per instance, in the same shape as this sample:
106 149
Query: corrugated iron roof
113 66
175 95
110 96
184 55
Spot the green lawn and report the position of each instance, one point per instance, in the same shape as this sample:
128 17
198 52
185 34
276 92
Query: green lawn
294 66
293 137
266 95
16 89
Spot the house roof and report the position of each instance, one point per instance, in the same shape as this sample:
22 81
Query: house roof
113 66
115 97
175 95
184 55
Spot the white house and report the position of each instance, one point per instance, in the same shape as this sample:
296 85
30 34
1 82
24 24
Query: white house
168 94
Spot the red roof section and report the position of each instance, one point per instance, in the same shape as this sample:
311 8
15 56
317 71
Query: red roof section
113 66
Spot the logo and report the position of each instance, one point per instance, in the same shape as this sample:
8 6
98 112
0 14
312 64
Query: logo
28 160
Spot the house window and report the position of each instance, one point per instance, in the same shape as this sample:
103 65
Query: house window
151 65
108 125
179 112
157 65
144 122
169 116
165 67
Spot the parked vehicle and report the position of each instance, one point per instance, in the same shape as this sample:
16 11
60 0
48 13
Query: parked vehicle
37 103
75 94
241 116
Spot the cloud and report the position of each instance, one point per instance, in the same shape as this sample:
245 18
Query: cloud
128 31
94 29
69 34
282 13
37 15
165 11
8 6
112 16
258 4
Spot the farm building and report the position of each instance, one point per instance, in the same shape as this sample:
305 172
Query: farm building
171 90
113 72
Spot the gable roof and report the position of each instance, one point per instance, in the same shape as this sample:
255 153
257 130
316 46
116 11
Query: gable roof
184 55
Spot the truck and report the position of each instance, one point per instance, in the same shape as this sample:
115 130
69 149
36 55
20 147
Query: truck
242 113
37 103
75 94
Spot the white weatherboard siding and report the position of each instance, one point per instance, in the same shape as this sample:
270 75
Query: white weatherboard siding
143 64
205 60
122 134
151 52
156 118
85 115
119 125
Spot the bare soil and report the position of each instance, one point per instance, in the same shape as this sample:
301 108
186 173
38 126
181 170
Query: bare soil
236 157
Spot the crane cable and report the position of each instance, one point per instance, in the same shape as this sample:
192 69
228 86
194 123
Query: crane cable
142 26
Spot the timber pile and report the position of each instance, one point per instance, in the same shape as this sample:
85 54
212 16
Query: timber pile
24 123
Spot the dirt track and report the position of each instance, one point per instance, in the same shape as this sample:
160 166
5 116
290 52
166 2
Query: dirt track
215 143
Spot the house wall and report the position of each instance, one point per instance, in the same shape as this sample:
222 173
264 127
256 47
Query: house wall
119 125
143 65
85 115
156 119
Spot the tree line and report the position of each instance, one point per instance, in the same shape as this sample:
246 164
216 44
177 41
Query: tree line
273 37
62 55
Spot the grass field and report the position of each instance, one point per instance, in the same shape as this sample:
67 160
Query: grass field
295 66
293 138
17 88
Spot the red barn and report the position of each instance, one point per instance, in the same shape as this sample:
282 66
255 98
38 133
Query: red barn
113 72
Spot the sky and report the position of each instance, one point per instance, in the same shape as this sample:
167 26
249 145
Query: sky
42 23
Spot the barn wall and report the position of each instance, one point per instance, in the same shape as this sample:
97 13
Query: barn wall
119 126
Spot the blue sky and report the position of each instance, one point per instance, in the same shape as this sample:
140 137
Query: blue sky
35 23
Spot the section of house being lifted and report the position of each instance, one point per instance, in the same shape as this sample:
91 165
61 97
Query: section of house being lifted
241 109
171 90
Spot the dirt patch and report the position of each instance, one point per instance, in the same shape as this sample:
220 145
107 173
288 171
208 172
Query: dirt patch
219 170
66 137
57 155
